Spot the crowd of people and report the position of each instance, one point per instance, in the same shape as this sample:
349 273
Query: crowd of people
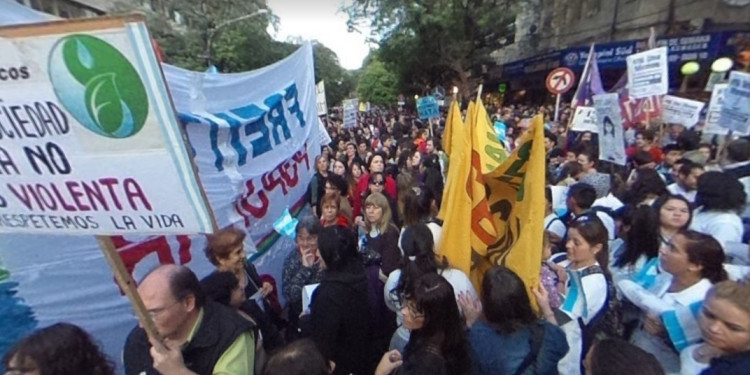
643 270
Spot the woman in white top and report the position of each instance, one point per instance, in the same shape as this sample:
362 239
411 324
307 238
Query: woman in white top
725 327
691 263
587 290
419 259
720 199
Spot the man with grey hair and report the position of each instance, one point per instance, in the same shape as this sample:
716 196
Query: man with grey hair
199 336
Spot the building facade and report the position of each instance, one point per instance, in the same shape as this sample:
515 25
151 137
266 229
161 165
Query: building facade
69 8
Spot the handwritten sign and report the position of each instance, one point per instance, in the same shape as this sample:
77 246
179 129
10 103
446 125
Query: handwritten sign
735 111
350 113
713 126
584 120
648 73
89 143
320 98
683 111
427 107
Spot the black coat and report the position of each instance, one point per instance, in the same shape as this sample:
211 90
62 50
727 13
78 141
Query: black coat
340 320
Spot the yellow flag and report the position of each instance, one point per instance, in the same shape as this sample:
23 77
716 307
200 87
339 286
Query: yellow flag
453 120
487 154
455 210
516 201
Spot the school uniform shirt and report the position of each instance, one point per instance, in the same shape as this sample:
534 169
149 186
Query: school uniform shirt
555 225
678 190
725 226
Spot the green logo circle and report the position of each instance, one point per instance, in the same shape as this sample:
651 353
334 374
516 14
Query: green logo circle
98 86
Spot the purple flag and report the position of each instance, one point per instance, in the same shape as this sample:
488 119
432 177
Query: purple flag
590 83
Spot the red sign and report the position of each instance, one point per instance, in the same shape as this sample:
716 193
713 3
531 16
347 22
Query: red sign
560 81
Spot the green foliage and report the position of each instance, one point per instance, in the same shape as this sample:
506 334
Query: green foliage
377 84
429 42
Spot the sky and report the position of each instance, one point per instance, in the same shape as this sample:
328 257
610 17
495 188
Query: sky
322 21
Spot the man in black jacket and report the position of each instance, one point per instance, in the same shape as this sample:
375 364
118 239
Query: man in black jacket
198 336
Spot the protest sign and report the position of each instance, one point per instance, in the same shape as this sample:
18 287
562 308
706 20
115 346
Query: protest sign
584 120
89 142
323 137
648 73
676 110
320 98
713 126
350 112
611 134
427 107
735 110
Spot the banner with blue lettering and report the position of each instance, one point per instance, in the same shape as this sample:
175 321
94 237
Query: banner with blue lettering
254 137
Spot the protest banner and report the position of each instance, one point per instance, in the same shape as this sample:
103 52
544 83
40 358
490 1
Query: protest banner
611 133
713 126
254 150
427 107
676 110
735 110
89 143
648 73
584 120
320 98
350 112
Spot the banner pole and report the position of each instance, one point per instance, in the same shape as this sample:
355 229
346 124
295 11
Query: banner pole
557 108
127 284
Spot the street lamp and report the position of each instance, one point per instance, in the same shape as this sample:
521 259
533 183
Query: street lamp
213 31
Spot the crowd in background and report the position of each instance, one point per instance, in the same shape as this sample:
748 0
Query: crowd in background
643 268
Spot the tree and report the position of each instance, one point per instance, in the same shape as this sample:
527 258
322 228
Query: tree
377 85
425 42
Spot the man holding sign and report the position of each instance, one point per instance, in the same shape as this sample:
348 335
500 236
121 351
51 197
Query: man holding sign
199 335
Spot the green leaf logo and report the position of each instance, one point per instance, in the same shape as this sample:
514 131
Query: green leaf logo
98 86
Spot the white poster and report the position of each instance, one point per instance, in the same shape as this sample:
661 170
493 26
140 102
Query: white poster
89 142
611 135
584 120
676 110
713 114
320 98
735 111
351 106
255 152
648 73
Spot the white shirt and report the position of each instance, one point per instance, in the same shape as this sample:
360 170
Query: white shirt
725 226
678 190
554 225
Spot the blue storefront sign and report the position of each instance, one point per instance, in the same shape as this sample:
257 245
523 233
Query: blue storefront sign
702 47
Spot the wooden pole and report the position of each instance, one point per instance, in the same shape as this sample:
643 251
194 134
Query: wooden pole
128 285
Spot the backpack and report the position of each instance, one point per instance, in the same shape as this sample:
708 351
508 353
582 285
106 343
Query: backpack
608 322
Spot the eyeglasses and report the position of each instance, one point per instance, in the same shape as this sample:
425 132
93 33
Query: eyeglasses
377 183
154 313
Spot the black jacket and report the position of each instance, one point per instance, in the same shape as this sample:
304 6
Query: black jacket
733 364
340 320
219 328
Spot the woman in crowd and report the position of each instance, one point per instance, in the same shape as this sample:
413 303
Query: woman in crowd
381 235
336 184
590 308
331 214
376 164
438 338
341 169
639 230
720 199
420 207
510 339
674 213
691 263
60 349
317 184
226 251
339 320
433 177
648 186
376 185
301 267
618 357
419 259
725 328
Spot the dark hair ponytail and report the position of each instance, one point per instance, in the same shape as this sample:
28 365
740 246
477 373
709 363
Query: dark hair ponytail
705 251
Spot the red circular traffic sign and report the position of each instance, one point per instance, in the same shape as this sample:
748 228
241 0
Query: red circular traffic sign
560 81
